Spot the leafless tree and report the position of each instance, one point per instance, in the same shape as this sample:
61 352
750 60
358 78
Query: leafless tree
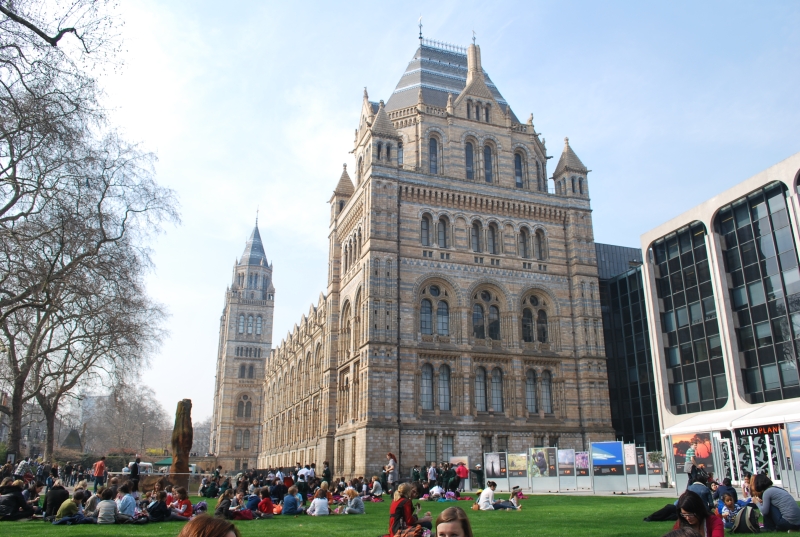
77 207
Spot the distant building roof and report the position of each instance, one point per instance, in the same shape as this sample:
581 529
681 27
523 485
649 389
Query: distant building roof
254 250
613 260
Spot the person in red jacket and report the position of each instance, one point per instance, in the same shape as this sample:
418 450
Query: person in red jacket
265 507
462 472
402 513
692 512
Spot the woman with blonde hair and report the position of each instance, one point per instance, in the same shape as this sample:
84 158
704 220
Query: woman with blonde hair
355 505
402 514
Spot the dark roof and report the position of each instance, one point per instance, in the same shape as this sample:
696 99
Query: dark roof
254 250
613 260
439 72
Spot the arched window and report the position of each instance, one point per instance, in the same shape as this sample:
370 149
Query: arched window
444 387
486 113
426 387
480 390
476 233
547 401
240 409
388 153
518 169
380 150
241 324
540 245
443 226
442 318
241 371
433 155
580 185
469 109
259 322
574 190
541 326
425 230
487 163
524 238
400 153
360 169
494 322
248 409
527 326
250 372
491 239
249 324
469 157
246 440
530 390
425 317
478 331
238 444
497 390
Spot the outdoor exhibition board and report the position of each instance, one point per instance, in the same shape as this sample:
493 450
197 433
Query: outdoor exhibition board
543 469
703 455
517 470
495 466
567 479
583 474
793 436
608 466
629 454
655 471
465 483
641 469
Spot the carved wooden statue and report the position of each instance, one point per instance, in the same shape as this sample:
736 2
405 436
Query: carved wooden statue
182 435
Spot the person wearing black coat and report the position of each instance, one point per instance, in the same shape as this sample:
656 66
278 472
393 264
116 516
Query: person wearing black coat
54 498
12 503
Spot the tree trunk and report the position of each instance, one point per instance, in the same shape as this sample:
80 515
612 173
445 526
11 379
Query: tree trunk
49 409
15 433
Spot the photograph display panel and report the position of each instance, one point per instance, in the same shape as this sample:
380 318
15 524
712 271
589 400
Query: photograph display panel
582 463
703 453
543 462
566 462
630 458
641 465
517 465
607 459
793 432
495 465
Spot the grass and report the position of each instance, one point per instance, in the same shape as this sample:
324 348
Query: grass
555 515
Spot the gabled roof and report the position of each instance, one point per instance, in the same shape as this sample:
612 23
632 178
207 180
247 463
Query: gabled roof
569 161
254 250
382 126
439 72
345 186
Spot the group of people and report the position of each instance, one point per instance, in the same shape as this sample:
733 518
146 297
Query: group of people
709 508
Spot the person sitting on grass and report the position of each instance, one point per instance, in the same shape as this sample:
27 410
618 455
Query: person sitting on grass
266 509
181 508
780 511
730 510
453 522
683 532
376 491
71 510
319 505
291 504
207 526
252 500
223 509
402 514
54 498
12 503
693 513
126 503
355 505
107 511
486 501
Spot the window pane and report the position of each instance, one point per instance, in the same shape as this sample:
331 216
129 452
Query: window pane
426 387
480 390
530 391
477 322
494 323
487 163
434 156
444 388
443 319
470 160
497 390
426 325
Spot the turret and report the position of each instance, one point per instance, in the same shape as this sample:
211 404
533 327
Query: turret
570 175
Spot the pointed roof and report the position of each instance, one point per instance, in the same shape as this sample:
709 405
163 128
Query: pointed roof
436 70
254 250
569 161
382 126
345 186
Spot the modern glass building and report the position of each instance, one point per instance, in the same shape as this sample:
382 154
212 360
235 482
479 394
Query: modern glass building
723 285
634 413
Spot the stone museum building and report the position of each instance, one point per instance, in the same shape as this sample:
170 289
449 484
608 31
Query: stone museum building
462 312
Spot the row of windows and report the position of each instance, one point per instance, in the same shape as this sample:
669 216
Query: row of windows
477 113
248 352
250 324
384 153
488 165
254 281
575 183
488 388
244 408
481 240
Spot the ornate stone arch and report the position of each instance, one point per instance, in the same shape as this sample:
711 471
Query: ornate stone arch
507 296
493 139
542 290
430 130
424 280
470 134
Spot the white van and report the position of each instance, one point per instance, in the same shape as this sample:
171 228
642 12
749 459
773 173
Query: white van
144 468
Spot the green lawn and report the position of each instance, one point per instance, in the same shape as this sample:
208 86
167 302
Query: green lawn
555 515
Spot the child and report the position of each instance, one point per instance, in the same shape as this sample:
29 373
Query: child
729 511
181 507
377 490
157 510
319 505
453 522
265 507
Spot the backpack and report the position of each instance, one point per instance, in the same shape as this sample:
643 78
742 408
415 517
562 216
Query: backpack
746 521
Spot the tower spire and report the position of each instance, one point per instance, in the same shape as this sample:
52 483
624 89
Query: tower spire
257 215
420 29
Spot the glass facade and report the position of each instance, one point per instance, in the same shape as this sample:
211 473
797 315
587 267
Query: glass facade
695 368
764 286
634 415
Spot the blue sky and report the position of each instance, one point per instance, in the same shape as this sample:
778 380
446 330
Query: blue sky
254 105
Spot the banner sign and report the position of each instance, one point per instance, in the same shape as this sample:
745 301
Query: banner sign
700 442
517 465
607 458
581 463
641 466
760 430
566 462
